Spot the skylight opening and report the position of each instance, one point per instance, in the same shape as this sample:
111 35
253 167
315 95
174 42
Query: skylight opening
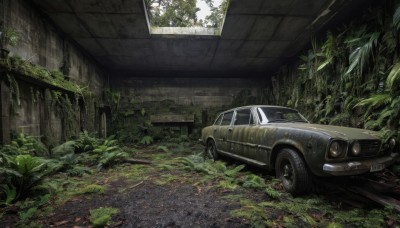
186 17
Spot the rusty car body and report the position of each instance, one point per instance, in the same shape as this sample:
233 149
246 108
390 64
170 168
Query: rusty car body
280 138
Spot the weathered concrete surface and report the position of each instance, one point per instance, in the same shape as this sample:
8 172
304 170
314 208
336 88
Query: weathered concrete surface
199 92
257 36
42 43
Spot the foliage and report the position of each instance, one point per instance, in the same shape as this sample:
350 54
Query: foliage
29 171
101 217
396 18
216 18
9 36
110 153
92 189
54 78
349 78
393 79
23 144
172 13
86 142
254 181
146 140
181 13
64 149
10 194
363 48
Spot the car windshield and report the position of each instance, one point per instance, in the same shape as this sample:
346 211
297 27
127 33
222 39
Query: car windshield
278 114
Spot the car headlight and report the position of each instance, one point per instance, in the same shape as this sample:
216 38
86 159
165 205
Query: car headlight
335 149
356 148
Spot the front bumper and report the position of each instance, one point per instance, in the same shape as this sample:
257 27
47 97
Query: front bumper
358 167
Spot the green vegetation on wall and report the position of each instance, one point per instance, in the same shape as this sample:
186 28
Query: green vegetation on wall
349 78
61 98
131 122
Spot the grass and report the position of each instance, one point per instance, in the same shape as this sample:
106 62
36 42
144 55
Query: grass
101 217
260 199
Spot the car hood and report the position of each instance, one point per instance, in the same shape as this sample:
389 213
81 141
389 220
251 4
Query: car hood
346 133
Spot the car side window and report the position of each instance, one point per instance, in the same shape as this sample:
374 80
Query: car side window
226 120
218 120
243 117
261 116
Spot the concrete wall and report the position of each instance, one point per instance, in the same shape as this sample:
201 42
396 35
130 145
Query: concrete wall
41 43
200 92
200 99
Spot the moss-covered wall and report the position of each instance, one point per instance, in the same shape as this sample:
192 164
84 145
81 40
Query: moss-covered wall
350 76
50 87
140 98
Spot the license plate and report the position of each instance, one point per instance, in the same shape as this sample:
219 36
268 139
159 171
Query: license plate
377 167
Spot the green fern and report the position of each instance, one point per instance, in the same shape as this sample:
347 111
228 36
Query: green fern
375 101
163 148
146 140
235 171
273 193
64 149
10 194
396 18
254 181
30 171
361 54
108 159
228 184
393 79
92 189
101 217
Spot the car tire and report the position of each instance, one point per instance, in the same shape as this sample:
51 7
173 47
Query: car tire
211 150
291 169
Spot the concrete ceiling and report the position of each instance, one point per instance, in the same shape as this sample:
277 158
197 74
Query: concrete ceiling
257 36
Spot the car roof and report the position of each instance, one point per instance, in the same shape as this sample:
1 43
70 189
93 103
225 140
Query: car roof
251 106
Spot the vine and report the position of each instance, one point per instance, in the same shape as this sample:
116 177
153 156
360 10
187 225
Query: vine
350 78
14 92
17 65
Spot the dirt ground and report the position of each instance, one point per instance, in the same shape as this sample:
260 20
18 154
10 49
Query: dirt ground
150 205
143 202
154 195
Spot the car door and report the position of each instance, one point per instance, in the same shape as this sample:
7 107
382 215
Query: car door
221 131
241 133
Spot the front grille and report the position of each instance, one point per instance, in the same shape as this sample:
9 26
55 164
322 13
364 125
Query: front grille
369 148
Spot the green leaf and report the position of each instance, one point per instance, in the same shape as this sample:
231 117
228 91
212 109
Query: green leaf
393 79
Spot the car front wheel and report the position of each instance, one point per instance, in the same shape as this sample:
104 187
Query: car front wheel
292 171
211 149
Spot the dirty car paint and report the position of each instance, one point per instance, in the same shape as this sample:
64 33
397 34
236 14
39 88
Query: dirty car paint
259 143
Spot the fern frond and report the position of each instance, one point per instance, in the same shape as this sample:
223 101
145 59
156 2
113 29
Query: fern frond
360 56
393 78
375 101
396 18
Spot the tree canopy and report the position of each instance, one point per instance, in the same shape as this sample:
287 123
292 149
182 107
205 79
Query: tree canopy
182 13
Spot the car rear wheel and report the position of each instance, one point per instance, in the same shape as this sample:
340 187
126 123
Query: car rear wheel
292 171
211 150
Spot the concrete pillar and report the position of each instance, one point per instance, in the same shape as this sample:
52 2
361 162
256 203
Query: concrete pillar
103 125
5 111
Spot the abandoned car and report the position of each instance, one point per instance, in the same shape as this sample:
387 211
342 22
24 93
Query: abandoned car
280 138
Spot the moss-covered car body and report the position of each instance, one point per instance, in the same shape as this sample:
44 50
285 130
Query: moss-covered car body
257 134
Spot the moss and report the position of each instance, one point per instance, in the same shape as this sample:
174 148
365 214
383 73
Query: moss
55 78
92 189
101 217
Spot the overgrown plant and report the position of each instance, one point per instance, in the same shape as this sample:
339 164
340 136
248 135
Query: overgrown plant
101 217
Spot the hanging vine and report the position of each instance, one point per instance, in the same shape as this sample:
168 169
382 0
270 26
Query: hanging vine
352 77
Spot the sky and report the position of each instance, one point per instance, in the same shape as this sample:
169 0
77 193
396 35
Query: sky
204 9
